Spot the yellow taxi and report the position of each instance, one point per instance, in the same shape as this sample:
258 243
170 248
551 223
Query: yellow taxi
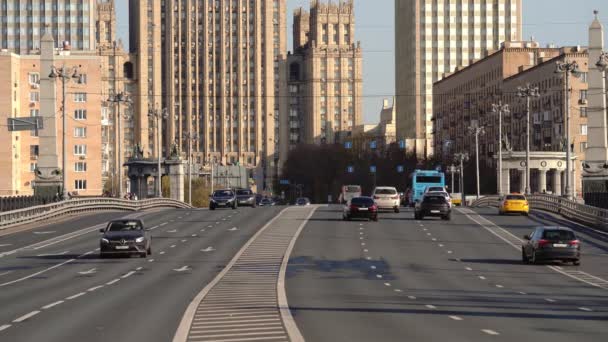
514 203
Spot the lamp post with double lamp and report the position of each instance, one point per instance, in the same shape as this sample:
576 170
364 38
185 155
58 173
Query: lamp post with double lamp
192 138
528 92
566 69
119 98
477 131
65 75
500 109
159 115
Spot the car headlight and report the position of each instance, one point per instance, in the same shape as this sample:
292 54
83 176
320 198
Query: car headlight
140 239
104 240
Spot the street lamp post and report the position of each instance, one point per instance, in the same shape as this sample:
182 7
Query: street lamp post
460 158
159 115
118 99
528 92
65 76
500 109
568 68
191 139
477 131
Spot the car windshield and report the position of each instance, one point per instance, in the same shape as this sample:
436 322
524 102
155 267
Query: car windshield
244 192
123 226
222 193
434 199
516 198
558 235
362 201
353 189
386 192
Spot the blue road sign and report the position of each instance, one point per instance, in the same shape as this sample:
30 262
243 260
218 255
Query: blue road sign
400 169
284 182
373 145
372 169
350 169
348 145
402 144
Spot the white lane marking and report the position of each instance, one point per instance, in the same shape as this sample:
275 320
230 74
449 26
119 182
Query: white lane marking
53 254
5 273
91 271
139 268
182 269
366 251
362 243
456 318
194 235
373 267
26 316
379 276
151 260
361 238
45 232
522 293
387 284
233 229
161 253
429 234
210 226
184 240
490 332
128 275
172 231
208 249
163 224
468 268
46 307
217 223
434 239
113 281
4 327
368 258
440 245
450 252
550 300
499 286
95 288
361 228
360 233
585 309
431 307
40 272
411 297
172 246
179 217
153 227
76 295
6 244
482 277
398 290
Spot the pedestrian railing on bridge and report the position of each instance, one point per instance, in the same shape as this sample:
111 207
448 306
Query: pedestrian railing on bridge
585 214
82 205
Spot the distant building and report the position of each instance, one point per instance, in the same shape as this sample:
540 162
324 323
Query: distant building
323 102
435 37
380 135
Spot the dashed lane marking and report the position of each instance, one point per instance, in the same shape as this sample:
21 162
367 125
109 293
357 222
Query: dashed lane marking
432 307
379 276
76 295
456 318
387 284
468 268
398 290
522 293
482 277
26 316
46 307
490 332
550 300
95 288
411 297
113 281
4 327
585 309
499 286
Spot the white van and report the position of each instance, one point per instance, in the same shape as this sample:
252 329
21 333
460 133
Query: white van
349 192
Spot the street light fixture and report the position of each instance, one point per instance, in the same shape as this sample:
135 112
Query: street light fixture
500 109
477 131
566 69
528 92
64 75
159 115
118 99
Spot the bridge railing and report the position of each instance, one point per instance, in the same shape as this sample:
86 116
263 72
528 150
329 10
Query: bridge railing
585 214
82 205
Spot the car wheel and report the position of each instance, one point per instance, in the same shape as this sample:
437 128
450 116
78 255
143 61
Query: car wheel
524 257
396 210
526 214
501 213
211 208
149 250
416 216
102 256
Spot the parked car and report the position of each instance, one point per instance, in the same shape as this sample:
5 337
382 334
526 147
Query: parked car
514 203
433 205
386 198
349 192
125 237
551 243
360 207
302 201
223 199
245 197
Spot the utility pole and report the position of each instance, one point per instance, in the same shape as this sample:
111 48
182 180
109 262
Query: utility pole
191 139
528 92
65 76
477 131
159 116
460 158
566 69
118 99
500 109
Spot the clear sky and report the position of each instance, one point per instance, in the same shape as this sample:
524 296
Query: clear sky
561 22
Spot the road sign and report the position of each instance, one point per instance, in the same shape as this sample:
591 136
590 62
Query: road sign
284 182
372 169
373 145
402 144
31 123
350 169
400 169
348 145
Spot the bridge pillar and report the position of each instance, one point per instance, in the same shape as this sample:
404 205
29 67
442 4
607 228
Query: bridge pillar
557 182
522 181
542 180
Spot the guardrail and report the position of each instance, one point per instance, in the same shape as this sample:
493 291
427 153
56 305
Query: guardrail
585 214
73 206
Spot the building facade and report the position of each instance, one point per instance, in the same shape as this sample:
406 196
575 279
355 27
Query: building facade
379 136
435 37
464 99
20 76
24 23
324 76
215 67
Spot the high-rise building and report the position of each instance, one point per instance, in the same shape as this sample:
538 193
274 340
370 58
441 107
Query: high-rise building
215 66
24 23
435 37
324 77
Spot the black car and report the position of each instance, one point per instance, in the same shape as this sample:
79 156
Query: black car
551 243
223 199
246 197
360 207
302 201
433 205
125 237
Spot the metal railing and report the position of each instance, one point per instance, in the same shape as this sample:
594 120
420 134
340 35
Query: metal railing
582 213
82 205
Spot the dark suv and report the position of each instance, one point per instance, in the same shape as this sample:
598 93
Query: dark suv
433 205
125 237
245 197
551 243
223 199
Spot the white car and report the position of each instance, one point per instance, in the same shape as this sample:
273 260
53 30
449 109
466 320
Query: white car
435 189
386 198
443 193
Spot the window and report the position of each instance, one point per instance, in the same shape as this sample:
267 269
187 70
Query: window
33 167
80 132
80 150
583 112
34 112
80 167
583 129
80 97
583 146
583 95
34 152
33 78
80 114
83 79
34 96
80 184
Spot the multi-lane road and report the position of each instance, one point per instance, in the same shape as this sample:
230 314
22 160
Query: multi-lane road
223 276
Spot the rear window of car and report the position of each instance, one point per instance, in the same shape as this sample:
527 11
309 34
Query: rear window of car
434 199
244 192
362 201
558 235
222 193
516 197
353 189
386 192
